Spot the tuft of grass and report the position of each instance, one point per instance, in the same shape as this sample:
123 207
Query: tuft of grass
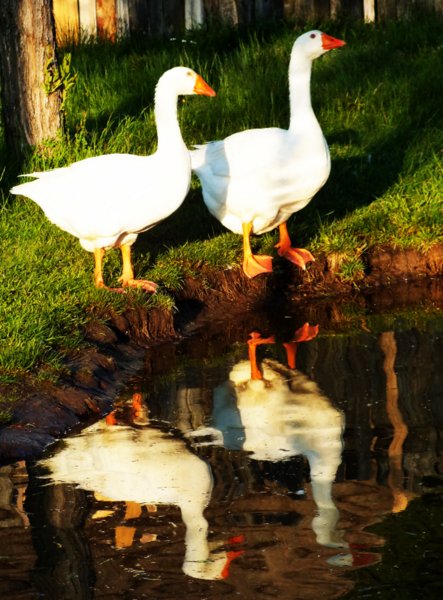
377 99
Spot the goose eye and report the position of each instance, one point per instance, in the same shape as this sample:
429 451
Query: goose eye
312 35
189 73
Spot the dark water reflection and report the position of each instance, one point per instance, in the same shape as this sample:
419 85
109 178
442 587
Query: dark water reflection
270 458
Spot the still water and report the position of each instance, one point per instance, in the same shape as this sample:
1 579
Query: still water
290 456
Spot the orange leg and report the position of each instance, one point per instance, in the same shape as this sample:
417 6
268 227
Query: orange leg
299 256
291 353
255 340
137 404
98 269
303 334
253 264
255 371
128 273
230 556
124 536
127 277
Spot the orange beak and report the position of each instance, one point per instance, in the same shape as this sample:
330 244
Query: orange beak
330 42
201 87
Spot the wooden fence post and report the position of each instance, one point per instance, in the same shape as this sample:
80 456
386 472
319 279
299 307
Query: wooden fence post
66 16
122 10
118 18
106 19
226 10
369 11
194 13
88 17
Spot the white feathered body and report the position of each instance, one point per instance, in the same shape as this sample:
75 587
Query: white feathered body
283 415
280 416
139 465
109 199
261 176
145 466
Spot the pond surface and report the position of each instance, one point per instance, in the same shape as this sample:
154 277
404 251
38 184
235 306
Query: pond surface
289 456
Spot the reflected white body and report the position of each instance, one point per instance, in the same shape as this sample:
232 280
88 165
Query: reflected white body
146 466
285 414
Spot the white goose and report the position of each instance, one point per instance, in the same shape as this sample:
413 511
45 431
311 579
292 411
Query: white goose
146 466
106 201
254 180
275 413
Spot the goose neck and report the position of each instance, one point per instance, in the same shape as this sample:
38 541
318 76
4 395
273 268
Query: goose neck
301 112
168 129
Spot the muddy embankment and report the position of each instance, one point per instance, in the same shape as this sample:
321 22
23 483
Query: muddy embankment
44 411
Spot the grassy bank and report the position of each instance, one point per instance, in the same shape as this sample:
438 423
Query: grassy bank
378 101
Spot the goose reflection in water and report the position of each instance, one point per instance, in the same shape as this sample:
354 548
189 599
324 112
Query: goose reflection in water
275 413
146 466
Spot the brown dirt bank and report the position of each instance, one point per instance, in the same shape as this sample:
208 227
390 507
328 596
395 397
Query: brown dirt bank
44 411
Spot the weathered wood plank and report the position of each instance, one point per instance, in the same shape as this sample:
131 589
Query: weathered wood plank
106 19
225 10
117 18
386 10
173 16
88 17
122 10
369 11
194 13
67 19
138 16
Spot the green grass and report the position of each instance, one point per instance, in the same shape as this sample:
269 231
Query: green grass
378 101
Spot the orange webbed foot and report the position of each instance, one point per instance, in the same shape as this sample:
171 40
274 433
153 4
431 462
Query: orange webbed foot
255 265
143 284
298 256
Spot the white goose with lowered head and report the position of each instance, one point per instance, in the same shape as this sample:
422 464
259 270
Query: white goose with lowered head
254 180
106 201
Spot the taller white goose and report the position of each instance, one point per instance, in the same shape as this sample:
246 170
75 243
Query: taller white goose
254 180
275 413
106 201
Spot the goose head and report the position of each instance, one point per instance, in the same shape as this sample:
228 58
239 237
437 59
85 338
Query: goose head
184 81
315 43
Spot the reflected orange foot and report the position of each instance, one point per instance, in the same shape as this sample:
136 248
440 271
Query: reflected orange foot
255 265
305 333
232 554
111 419
298 256
255 339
